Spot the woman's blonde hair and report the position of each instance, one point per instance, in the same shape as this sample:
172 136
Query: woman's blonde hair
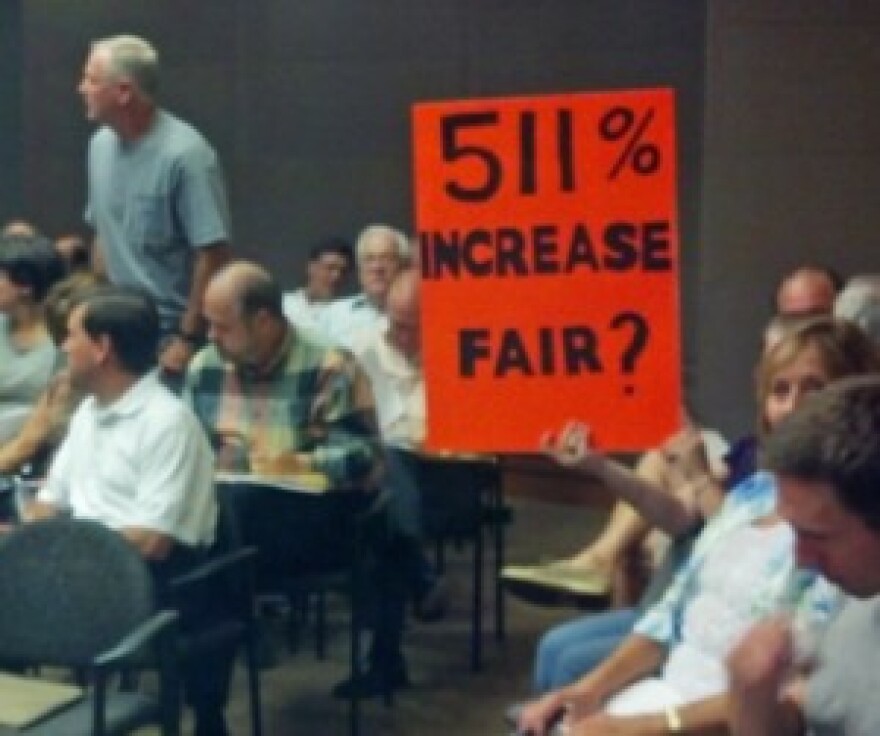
843 348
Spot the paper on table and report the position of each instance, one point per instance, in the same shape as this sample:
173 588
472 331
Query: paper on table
24 700
300 482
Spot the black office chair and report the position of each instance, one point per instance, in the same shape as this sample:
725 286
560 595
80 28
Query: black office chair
460 498
75 594
224 583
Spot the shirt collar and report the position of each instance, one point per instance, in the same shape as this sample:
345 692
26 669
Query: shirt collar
132 401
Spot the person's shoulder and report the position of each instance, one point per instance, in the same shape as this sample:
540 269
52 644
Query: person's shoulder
102 139
182 135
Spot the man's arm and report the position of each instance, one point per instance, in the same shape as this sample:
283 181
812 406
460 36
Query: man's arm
151 545
177 352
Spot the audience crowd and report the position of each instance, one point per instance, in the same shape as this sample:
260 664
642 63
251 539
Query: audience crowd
140 363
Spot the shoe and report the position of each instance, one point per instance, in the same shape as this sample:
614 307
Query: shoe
558 584
433 604
371 684
562 576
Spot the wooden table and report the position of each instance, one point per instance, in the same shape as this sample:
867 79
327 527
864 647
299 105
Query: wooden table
25 700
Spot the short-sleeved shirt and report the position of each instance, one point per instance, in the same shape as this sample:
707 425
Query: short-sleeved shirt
815 601
142 461
346 320
398 389
841 695
315 399
303 313
24 375
151 202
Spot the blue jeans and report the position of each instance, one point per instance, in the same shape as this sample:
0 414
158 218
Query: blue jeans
570 650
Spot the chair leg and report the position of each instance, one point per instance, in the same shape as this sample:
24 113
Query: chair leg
321 625
253 676
477 602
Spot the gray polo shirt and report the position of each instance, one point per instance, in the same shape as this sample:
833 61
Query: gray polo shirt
841 697
151 202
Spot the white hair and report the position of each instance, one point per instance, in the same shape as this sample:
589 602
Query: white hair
133 58
859 302
401 242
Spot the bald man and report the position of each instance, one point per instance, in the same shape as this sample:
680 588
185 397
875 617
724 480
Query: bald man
807 290
274 400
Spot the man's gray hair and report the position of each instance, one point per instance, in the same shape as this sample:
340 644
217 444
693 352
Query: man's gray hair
401 243
133 58
859 302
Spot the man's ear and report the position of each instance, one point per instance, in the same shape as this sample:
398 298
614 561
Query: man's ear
102 348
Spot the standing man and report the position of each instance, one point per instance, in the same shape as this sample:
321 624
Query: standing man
156 197
326 273
381 252
827 460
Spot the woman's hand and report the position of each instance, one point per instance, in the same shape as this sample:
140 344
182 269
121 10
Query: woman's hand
572 448
539 716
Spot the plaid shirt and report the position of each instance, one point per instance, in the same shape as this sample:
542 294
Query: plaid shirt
315 400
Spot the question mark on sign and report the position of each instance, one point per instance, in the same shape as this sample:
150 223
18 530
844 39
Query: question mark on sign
636 345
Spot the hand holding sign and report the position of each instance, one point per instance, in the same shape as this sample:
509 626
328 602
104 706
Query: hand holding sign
548 243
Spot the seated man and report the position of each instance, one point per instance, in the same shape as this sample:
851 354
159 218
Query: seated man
274 400
278 403
135 457
326 272
381 252
826 458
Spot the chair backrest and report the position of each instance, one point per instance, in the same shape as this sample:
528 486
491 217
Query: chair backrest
69 590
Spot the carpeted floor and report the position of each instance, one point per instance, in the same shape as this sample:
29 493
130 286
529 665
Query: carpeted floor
446 697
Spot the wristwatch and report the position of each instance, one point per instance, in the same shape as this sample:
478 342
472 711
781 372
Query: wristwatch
673 720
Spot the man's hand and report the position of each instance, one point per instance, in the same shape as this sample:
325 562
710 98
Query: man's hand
758 667
176 354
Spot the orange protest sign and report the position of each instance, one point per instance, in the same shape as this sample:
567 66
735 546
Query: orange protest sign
548 238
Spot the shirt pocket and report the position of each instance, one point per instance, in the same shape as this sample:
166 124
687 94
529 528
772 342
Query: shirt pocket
150 223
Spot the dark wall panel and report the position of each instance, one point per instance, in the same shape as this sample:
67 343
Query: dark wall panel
11 196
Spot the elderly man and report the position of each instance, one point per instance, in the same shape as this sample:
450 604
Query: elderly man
381 252
135 458
808 289
827 460
156 197
326 272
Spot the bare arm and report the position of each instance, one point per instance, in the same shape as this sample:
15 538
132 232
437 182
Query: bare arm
636 657
704 718
671 512
177 352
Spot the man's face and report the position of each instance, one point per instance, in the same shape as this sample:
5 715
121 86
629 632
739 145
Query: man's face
99 91
227 328
404 329
377 266
83 353
10 293
327 273
831 539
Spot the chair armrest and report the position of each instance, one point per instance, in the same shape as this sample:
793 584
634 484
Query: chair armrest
212 568
158 624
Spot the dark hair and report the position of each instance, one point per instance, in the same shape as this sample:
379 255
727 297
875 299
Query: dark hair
129 317
30 260
335 245
260 292
834 438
